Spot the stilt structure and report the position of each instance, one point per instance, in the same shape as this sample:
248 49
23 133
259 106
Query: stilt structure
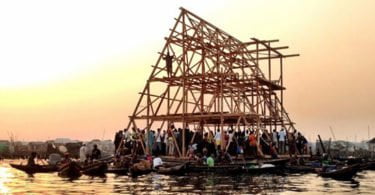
206 79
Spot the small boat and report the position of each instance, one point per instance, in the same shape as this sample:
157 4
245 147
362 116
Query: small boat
134 172
35 169
141 168
343 173
118 170
171 169
96 168
368 165
70 170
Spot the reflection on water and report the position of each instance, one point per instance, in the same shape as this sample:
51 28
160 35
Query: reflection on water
13 181
5 176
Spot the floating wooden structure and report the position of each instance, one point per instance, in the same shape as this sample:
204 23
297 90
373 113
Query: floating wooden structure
206 79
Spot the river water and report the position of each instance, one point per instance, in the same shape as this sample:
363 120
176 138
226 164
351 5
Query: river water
16 182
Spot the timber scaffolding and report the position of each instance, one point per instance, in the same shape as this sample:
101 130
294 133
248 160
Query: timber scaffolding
206 79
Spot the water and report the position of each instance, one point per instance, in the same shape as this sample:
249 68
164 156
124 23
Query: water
16 182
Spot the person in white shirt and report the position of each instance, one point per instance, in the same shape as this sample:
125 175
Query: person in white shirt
83 153
158 139
230 135
126 135
157 162
165 143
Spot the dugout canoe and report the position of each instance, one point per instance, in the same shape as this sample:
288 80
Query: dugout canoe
343 173
171 169
70 170
94 169
118 170
134 172
34 169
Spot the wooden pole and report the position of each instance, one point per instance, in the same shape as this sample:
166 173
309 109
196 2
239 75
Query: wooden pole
321 144
148 151
184 103
221 113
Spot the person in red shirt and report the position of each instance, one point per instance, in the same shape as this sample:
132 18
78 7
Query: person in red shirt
253 143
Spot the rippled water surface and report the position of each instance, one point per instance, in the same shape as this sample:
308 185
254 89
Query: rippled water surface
16 182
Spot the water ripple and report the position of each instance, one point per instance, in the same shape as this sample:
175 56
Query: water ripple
16 182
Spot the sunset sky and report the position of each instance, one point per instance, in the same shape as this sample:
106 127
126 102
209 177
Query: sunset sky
74 68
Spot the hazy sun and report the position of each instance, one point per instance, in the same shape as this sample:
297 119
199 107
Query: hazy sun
51 41
22 75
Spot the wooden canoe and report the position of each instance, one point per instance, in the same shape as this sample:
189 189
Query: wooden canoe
134 172
94 169
343 173
175 169
70 170
118 170
368 165
35 169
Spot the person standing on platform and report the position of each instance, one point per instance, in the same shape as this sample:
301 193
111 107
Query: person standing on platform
151 140
218 138
158 139
282 137
169 63
118 138
253 143
170 144
275 138
163 142
127 135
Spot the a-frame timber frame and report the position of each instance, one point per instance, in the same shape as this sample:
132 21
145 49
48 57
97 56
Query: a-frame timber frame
213 81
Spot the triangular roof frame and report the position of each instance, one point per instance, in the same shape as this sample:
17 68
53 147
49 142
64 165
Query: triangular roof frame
213 81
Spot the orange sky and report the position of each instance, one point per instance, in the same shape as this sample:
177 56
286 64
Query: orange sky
73 69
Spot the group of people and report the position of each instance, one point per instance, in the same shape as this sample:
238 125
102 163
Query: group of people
202 145
85 155
288 142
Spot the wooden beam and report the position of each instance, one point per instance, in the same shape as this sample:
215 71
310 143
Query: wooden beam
275 57
259 50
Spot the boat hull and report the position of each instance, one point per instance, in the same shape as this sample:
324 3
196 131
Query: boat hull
95 169
172 169
71 170
342 174
35 169
118 170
